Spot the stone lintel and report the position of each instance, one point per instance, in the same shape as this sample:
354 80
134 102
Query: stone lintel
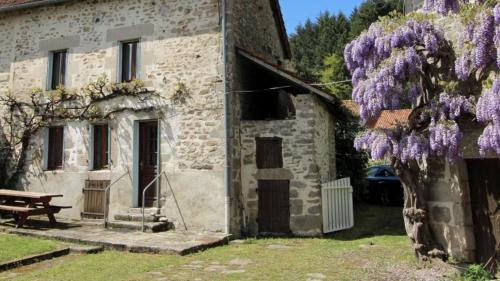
61 43
129 32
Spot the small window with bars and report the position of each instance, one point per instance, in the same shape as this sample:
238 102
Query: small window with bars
129 60
57 72
269 153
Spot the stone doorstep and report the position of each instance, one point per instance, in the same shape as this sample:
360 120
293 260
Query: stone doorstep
137 218
138 211
151 227
33 259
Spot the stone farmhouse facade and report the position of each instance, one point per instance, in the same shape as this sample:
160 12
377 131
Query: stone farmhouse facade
245 153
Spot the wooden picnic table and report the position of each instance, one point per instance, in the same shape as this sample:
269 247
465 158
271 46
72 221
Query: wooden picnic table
24 204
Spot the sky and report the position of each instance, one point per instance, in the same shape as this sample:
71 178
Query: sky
298 11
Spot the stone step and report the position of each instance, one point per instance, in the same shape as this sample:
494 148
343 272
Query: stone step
137 217
147 211
151 227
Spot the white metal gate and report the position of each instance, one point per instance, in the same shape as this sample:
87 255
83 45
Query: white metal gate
338 211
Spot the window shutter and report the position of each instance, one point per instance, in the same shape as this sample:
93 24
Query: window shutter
110 162
138 60
62 131
48 87
91 147
119 63
269 153
45 152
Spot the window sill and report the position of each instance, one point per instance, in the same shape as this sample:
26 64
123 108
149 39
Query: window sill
59 171
106 170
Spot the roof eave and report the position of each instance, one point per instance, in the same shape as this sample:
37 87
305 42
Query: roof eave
280 24
30 5
296 81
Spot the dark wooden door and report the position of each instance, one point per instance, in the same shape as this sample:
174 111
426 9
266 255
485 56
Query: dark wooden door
274 207
484 182
148 160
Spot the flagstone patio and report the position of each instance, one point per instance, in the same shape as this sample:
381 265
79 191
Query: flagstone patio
170 242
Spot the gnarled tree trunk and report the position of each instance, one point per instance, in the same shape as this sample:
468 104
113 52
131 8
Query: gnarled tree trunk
415 213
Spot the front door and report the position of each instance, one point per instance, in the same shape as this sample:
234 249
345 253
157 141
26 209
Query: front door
148 161
484 182
274 207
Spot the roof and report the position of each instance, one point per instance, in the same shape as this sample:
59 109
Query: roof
389 119
280 25
10 5
292 80
352 106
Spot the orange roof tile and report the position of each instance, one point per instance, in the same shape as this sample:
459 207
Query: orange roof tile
352 106
389 119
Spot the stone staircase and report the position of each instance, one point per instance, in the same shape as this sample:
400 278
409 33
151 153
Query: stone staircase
132 220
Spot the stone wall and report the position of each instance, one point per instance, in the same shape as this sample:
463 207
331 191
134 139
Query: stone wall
251 25
301 165
449 203
180 42
449 209
324 141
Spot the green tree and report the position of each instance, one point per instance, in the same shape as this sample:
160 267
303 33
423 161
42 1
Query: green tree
313 41
318 49
369 12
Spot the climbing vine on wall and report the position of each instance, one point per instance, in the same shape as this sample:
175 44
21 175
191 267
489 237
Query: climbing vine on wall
25 114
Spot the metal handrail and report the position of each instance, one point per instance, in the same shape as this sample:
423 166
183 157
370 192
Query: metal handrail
106 194
144 196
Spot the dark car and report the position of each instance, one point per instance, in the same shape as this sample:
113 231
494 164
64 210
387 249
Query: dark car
383 186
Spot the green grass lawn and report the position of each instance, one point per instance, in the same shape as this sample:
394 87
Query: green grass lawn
375 250
13 247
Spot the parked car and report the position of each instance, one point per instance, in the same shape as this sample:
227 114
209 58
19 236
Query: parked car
383 186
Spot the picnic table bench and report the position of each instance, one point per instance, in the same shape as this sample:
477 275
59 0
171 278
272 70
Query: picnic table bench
24 204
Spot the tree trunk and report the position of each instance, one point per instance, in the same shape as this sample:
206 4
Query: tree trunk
5 157
13 180
415 213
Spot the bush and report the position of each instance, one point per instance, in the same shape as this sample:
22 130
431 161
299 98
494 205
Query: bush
476 272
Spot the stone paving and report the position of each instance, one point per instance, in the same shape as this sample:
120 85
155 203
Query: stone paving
170 242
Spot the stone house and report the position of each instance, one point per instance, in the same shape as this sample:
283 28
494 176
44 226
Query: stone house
463 198
246 151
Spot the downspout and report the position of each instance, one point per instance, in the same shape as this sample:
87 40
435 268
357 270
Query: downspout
227 123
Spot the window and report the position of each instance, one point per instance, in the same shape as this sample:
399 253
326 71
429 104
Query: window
55 148
269 153
385 173
101 147
267 106
57 69
129 61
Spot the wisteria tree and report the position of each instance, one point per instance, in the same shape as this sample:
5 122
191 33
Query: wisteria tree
443 62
